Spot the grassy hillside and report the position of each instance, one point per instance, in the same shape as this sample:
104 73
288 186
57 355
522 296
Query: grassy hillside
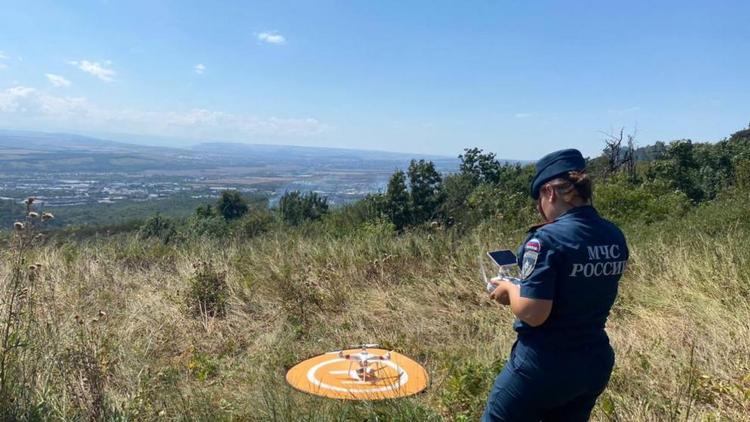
110 328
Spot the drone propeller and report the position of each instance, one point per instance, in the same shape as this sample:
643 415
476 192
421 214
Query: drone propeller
356 346
367 346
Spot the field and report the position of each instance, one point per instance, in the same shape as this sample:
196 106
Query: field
110 328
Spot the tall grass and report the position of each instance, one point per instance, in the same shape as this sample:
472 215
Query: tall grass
116 334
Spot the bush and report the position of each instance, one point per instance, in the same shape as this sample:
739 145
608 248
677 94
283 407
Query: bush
466 388
254 223
742 174
496 202
160 227
622 202
208 291
426 191
295 207
215 227
397 200
231 205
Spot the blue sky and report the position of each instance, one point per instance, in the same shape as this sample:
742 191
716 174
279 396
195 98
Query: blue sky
517 78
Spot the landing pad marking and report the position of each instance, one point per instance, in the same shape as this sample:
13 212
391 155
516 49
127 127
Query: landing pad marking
331 376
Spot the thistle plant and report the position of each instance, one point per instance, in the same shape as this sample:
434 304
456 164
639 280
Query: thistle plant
19 325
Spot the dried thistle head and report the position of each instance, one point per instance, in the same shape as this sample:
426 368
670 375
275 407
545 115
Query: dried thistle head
33 214
47 216
19 226
30 200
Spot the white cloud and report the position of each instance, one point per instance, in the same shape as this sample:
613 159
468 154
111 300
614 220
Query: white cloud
100 70
624 111
272 37
30 101
3 57
199 68
57 80
37 108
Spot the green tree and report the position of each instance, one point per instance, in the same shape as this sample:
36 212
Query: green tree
215 227
457 188
426 190
651 152
480 167
231 205
257 221
738 146
646 203
296 207
205 211
742 174
159 227
398 206
680 169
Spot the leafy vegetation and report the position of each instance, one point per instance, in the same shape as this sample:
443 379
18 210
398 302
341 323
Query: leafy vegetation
231 205
296 208
208 293
198 317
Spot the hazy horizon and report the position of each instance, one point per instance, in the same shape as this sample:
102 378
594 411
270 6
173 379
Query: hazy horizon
421 78
188 144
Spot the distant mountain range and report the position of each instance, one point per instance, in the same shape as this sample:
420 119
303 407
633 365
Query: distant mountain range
22 151
65 169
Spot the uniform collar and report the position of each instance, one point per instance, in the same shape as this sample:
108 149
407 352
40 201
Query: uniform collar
582 211
534 228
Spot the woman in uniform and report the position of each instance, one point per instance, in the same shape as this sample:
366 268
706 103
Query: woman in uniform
570 269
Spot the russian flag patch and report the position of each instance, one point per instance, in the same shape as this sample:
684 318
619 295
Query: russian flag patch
534 245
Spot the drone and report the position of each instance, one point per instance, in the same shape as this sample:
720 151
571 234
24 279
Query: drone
366 361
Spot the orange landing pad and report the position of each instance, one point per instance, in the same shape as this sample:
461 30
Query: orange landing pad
330 375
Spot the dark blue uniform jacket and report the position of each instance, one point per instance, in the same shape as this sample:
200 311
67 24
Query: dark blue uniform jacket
577 262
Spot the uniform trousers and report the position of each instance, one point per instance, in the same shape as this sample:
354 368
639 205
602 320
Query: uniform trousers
548 383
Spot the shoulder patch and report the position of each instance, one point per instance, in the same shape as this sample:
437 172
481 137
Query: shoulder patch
533 245
529 263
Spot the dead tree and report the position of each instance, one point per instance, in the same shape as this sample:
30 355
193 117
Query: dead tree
620 158
629 158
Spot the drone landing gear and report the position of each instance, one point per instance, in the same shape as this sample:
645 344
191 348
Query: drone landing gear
366 374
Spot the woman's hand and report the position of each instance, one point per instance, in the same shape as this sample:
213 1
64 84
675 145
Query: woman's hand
531 311
500 294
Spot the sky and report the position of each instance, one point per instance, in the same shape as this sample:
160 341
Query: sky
516 78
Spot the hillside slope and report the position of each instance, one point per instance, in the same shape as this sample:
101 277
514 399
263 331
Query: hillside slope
112 327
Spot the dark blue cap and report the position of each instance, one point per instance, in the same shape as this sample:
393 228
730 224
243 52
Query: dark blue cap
555 164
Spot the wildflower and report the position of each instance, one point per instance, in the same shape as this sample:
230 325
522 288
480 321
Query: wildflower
47 216
19 226
33 214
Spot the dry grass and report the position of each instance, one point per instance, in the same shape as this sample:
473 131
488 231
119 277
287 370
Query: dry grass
116 336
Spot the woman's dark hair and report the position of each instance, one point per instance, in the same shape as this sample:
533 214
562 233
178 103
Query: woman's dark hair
574 184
